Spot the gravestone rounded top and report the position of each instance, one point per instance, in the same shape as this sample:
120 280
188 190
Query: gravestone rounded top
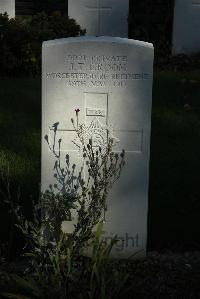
101 39
109 81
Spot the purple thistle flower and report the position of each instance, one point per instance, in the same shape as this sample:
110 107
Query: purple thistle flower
77 110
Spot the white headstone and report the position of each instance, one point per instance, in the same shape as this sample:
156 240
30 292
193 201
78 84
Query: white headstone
110 81
101 17
8 6
186 27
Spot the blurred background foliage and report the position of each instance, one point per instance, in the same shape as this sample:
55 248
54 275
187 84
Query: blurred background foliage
21 40
174 204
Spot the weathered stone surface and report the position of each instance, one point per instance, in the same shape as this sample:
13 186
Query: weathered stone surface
110 81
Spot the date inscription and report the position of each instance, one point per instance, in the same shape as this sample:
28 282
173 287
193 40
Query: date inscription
96 71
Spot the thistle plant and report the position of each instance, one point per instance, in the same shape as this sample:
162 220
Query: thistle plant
55 250
87 195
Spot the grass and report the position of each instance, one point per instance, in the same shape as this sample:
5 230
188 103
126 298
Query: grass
20 126
174 204
20 122
174 200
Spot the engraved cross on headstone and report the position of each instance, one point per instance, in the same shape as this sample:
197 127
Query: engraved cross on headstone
99 8
96 110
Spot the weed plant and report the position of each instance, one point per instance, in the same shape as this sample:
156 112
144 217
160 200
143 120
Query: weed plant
55 243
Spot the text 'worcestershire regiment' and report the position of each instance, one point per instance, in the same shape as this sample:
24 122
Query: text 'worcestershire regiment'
96 71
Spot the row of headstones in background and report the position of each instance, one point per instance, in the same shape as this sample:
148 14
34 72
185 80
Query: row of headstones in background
110 17
186 27
110 80
101 17
8 6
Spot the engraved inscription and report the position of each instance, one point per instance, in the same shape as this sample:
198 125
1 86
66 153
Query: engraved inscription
95 112
97 71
